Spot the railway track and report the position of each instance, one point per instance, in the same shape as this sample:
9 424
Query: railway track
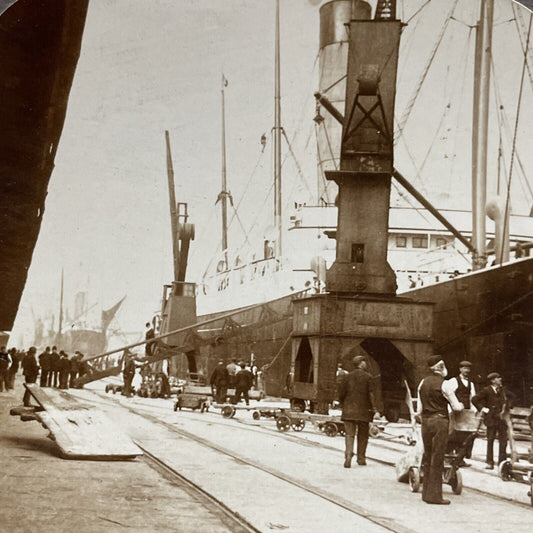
293 437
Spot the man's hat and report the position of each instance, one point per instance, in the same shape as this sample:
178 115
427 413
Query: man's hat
433 360
493 375
465 363
358 359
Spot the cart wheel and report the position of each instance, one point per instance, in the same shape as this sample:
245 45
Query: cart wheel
456 482
233 411
227 411
506 470
374 431
256 415
331 429
176 405
107 389
298 424
283 423
414 479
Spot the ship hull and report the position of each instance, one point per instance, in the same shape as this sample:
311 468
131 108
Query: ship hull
485 317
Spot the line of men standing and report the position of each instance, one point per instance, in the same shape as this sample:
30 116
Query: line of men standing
57 370
9 365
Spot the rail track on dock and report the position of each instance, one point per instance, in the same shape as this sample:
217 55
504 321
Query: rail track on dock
297 438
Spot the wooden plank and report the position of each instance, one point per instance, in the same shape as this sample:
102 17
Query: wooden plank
80 430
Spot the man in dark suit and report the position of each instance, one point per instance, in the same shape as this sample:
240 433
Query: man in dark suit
493 401
357 397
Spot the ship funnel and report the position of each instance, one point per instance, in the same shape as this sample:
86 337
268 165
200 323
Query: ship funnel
496 211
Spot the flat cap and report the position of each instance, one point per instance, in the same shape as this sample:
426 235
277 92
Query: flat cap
358 359
493 375
465 363
433 360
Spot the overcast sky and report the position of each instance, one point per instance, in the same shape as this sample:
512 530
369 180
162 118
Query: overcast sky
148 66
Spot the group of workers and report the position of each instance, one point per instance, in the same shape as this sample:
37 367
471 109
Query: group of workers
54 367
449 412
238 376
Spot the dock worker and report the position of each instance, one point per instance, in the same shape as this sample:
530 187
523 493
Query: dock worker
243 383
463 424
64 370
74 369
55 358
432 406
357 396
220 381
5 363
148 336
232 368
13 368
494 402
128 372
30 369
45 361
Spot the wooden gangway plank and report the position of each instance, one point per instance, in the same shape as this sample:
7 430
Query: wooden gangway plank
80 430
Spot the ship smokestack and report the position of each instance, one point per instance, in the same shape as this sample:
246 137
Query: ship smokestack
334 16
496 211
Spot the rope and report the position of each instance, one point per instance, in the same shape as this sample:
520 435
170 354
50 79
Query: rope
518 108
268 365
520 29
411 103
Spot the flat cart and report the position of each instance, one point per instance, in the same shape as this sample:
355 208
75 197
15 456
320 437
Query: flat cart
191 401
519 423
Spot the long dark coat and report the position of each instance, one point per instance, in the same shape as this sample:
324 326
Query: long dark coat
357 395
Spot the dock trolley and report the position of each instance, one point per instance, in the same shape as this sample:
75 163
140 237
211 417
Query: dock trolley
191 401
519 467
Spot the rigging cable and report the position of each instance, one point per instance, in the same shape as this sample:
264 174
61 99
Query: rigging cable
411 102
518 106
520 29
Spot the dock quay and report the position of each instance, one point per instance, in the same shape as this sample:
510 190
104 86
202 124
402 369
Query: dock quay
204 472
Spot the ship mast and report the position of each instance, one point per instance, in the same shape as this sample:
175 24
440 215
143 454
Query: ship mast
223 196
60 327
277 142
480 131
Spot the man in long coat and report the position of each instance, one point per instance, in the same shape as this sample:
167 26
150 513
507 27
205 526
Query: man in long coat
357 396
220 381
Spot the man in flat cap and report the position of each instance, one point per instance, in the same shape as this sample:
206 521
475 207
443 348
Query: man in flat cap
432 406
357 396
494 401
463 423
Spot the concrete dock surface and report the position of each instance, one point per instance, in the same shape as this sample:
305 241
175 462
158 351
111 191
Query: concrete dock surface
290 481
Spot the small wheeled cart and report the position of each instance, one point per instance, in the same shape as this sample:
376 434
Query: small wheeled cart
519 424
113 388
191 401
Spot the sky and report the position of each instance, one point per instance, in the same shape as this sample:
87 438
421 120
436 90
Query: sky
146 67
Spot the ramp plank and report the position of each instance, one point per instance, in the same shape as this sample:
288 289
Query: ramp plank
80 430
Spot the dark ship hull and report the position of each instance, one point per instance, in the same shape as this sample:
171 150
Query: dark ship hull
39 48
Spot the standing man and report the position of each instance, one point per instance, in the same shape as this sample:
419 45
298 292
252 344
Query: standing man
128 373
357 396
148 336
463 422
55 365
220 380
493 401
45 360
13 369
5 363
243 383
30 370
64 370
432 406
232 368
